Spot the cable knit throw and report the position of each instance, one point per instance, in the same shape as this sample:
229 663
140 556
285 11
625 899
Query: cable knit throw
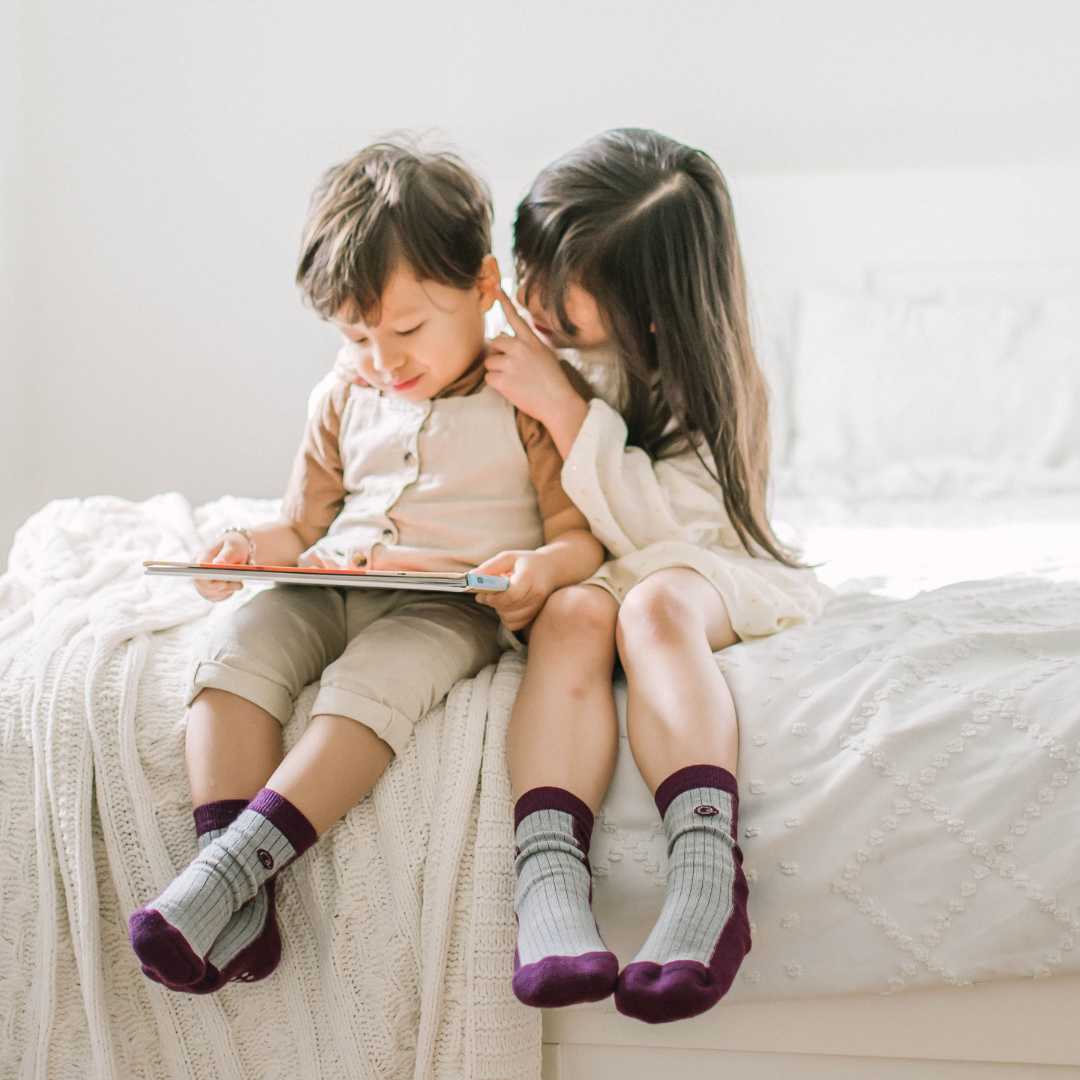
398 927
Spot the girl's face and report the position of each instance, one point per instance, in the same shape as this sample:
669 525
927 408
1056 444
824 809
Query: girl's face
583 312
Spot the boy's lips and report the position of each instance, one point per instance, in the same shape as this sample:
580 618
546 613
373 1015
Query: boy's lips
407 384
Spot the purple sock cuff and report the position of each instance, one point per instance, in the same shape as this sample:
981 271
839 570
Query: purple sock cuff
695 776
556 798
217 815
285 818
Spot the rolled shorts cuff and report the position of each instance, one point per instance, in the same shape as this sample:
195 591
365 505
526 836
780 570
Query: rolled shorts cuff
508 639
268 695
394 728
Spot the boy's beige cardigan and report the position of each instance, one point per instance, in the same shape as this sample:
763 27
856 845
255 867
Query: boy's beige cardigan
442 484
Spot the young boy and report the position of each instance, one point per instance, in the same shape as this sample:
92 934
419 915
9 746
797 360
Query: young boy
425 468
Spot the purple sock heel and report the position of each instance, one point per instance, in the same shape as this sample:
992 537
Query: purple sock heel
555 981
161 947
254 962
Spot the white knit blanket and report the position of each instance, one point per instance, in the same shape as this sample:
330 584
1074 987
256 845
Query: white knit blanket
397 927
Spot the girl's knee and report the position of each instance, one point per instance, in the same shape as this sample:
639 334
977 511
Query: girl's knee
578 611
656 608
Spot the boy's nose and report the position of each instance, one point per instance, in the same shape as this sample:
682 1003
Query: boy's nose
384 360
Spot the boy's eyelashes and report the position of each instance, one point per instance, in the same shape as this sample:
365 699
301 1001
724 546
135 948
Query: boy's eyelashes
400 333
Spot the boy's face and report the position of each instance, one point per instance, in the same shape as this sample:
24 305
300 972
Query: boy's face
583 312
427 334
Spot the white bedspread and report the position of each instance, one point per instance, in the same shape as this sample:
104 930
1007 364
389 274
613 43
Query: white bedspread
908 771
908 765
397 927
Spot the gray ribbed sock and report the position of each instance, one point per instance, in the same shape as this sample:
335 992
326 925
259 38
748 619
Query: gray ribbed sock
553 890
245 925
174 933
560 957
701 878
694 952
224 876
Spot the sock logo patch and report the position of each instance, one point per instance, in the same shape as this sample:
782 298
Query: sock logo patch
265 858
706 810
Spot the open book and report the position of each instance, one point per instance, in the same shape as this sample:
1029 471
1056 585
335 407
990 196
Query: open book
466 581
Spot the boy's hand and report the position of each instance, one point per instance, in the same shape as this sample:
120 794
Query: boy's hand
525 371
531 583
321 556
232 549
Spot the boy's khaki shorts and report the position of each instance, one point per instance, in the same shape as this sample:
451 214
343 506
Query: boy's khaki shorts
384 657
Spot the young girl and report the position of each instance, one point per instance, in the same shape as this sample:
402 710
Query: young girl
422 467
626 253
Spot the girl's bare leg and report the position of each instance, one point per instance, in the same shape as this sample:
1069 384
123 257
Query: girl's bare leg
680 708
684 737
563 730
562 744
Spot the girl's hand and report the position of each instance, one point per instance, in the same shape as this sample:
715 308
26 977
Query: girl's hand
531 583
347 365
232 549
525 371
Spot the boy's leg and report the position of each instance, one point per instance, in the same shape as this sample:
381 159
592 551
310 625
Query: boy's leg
242 692
239 697
232 746
562 744
684 735
333 765
392 672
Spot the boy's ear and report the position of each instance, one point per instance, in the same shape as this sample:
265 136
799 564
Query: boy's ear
488 281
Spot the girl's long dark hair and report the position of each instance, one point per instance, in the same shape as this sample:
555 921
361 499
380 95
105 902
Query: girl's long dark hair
645 224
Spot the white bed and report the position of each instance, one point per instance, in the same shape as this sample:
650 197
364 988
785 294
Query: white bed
908 769
921 918
838 965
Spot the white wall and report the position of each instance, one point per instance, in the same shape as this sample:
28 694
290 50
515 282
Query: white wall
17 494
165 154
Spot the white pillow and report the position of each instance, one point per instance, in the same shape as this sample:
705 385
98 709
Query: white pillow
908 396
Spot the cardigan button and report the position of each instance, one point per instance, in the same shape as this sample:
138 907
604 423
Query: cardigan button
388 534
359 559
410 457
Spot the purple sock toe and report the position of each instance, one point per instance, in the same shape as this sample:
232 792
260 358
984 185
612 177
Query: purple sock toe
659 993
255 962
161 947
566 980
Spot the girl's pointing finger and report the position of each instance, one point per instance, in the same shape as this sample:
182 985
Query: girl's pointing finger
520 327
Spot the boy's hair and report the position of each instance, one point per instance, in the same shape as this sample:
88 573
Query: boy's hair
645 225
391 204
